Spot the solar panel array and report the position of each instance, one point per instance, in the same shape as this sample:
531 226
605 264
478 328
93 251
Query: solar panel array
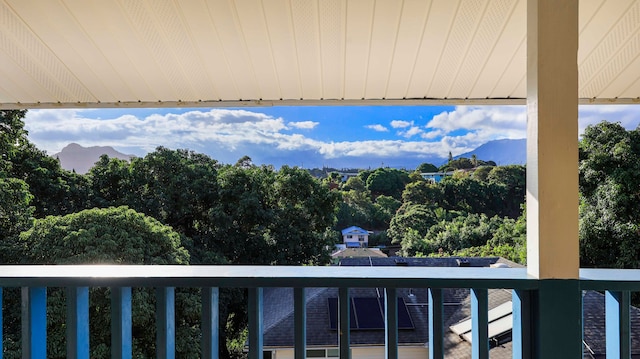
367 313
500 323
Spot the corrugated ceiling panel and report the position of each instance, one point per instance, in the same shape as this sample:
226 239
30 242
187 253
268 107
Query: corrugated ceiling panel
414 17
87 51
358 42
467 20
306 24
621 69
331 22
111 34
234 49
505 55
26 49
434 38
512 81
589 26
15 87
256 37
149 20
58 29
634 88
185 58
207 45
18 85
386 20
282 38
495 17
598 65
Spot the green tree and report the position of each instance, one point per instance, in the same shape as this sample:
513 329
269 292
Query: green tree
482 173
111 236
15 215
12 136
609 182
410 222
463 231
387 181
426 167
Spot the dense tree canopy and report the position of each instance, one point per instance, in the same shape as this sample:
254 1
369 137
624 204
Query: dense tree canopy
388 182
111 236
609 182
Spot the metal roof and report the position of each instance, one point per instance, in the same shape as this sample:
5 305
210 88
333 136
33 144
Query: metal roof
154 53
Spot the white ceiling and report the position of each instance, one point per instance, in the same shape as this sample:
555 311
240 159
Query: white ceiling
94 53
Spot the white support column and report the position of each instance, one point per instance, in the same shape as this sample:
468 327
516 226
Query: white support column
552 139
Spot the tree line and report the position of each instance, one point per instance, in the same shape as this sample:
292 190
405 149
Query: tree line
182 207
169 207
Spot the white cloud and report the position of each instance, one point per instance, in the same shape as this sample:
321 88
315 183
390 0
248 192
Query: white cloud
219 131
414 130
305 125
215 132
432 134
400 124
627 115
471 126
377 128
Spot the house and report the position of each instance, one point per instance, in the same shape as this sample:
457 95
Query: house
344 176
435 177
355 237
367 323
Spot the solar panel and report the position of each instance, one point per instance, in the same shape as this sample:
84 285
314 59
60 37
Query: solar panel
367 313
500 322
333 314
404 318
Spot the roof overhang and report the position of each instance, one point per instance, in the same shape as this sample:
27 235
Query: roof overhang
213 53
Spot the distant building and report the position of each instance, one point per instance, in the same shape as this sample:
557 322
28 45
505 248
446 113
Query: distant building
344 176
435 177
355 237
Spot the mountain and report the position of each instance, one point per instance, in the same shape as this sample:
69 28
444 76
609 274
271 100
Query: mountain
81 159
502 152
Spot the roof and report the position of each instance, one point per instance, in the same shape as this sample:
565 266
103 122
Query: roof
421 262
359 252
279 327
215 53
354 230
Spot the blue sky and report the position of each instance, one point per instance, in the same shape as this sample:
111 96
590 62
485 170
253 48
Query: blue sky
357 136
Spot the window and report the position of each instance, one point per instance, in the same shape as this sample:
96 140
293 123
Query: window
323 353
349 236
316 353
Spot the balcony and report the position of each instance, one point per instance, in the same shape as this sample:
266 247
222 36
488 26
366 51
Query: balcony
537 304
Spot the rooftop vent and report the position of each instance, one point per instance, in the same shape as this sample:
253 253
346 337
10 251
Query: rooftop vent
463 262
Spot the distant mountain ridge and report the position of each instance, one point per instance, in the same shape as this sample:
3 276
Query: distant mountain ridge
81 159
502 152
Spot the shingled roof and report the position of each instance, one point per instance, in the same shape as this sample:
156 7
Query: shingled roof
279 324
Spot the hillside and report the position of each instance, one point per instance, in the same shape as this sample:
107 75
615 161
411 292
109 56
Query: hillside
81 159
502 152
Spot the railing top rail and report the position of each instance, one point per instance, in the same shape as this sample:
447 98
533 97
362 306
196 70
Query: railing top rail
263 276
298 276
610 279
